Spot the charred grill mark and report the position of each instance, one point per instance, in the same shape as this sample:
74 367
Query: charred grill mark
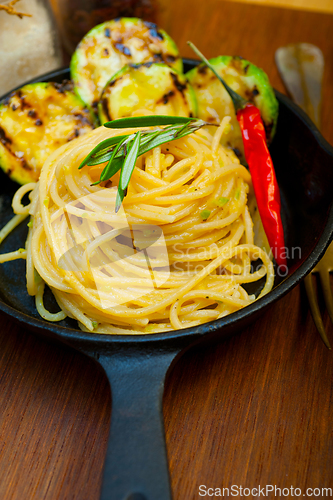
68 85
75 134
105 52
150 25
112 83
6 142
166 97
156 34
38 122
169 59
107 32
58 88
25 165
105 108
32 113
179 86
123 49
84 120
158 57
235 60
64 86
4 139
14 107
202 69
94 106
250 94
237 152
23 103
139 65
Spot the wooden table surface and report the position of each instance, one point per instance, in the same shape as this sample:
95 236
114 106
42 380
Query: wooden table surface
254 410
314 5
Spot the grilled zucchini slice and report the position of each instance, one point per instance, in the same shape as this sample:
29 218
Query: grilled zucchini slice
153 87
110 46
34 122
247 80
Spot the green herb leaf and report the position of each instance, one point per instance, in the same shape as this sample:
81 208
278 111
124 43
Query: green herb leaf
127 169
147 121
100 159
205 214
113 165
220 202
107 143
164 136
121 152
114 168
129 162
119 199
171 134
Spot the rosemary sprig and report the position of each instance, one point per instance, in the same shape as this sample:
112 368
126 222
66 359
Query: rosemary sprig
149 121
127 169
121 152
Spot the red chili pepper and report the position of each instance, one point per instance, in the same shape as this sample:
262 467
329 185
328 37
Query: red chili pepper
265 185
260 164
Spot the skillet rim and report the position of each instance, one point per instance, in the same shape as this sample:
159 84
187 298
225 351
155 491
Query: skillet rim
233 321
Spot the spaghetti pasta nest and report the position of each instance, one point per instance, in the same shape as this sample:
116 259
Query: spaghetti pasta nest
176 255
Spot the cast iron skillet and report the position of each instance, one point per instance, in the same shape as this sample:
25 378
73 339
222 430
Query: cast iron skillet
136 464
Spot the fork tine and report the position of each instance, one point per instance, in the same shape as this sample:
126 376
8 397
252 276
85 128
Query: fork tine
315 309
327 290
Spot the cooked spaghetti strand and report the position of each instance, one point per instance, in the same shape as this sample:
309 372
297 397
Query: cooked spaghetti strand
177 253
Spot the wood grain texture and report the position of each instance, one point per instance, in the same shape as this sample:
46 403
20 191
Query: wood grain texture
254 410
315 5
258 408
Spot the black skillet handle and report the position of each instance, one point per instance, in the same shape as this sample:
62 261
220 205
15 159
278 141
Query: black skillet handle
136 466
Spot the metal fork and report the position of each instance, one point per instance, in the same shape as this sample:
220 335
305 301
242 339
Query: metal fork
301 67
